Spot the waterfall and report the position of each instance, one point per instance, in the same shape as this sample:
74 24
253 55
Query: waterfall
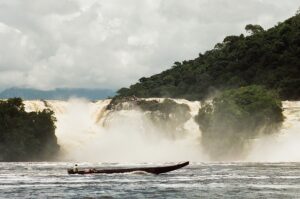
86 131
283 146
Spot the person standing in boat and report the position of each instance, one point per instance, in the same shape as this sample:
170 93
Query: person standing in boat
75 168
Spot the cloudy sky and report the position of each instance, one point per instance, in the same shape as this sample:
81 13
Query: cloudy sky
112 43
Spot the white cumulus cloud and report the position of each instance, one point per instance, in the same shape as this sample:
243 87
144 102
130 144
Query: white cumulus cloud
112 43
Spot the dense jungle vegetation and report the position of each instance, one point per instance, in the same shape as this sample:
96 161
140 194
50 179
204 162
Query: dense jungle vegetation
265 57
167 115
26 136
236 117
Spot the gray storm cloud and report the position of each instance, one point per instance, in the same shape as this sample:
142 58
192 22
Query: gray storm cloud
112 43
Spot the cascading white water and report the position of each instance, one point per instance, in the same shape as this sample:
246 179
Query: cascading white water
87 132
283 146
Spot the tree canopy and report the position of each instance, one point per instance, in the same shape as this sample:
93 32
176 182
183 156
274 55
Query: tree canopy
237 116
26 136
265 57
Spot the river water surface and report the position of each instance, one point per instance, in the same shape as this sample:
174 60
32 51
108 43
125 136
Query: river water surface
198 180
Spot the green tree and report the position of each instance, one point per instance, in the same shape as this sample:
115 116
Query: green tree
237 116
26 136
254 29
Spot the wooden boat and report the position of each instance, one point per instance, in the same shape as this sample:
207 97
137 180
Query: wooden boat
153 170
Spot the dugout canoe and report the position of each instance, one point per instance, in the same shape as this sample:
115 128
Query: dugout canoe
152 170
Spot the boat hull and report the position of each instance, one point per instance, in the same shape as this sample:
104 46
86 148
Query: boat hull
152 170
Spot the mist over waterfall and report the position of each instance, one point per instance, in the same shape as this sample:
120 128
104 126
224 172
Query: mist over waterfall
87 131
283 146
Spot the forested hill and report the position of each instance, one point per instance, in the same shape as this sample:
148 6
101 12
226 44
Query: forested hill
265 57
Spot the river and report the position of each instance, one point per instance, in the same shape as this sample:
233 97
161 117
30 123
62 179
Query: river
198 180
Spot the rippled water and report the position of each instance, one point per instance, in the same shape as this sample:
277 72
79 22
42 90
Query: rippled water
198 180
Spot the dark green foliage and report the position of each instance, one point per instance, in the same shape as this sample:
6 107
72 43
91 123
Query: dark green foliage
168 115
26 136
254 29
237 116
117 103
269 58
